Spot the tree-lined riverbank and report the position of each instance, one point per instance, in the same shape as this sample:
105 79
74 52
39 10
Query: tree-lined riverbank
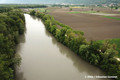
12 24
101 55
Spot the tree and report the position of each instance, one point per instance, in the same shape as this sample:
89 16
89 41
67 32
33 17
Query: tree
57 36
83 51
11 26
32 12
116 7
53 29
68 37
111 7
92 9
70 9
45 11
3 28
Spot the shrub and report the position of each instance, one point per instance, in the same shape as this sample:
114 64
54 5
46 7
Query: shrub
32 12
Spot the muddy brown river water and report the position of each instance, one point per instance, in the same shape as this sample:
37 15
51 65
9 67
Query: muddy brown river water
43 58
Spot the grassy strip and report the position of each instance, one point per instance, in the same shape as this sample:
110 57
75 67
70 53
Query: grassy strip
113 41
115 18
78 7
117 42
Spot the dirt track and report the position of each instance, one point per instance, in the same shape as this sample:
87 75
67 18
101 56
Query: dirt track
95 27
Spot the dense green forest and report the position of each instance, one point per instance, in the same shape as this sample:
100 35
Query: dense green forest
102 55
12 23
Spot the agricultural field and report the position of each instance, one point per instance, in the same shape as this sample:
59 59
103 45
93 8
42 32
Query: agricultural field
95 27
98 24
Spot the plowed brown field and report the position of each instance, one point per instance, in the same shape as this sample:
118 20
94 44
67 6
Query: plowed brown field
95 27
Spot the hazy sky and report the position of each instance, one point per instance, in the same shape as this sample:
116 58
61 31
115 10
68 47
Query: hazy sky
46 1
29 1
14 1
57 1
37 1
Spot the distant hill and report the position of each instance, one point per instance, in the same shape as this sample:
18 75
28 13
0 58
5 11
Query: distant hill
60 1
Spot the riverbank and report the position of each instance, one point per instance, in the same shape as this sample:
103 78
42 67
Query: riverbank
101 55
12 24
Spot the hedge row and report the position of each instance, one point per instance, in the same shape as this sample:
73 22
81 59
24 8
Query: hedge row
101 55
11 26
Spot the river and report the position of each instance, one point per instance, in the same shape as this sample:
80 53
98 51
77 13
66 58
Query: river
43 58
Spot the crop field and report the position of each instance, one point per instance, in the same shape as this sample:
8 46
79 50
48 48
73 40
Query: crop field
95 27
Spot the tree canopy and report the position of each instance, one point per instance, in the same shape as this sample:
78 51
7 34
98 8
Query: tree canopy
11 26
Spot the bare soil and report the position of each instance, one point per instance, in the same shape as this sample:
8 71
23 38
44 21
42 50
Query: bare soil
95 27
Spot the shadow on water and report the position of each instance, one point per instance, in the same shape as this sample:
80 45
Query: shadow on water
33 17
21 41
19 75
77 61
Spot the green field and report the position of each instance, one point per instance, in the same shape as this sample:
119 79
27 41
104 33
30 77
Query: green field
114 41
117 42
115 18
